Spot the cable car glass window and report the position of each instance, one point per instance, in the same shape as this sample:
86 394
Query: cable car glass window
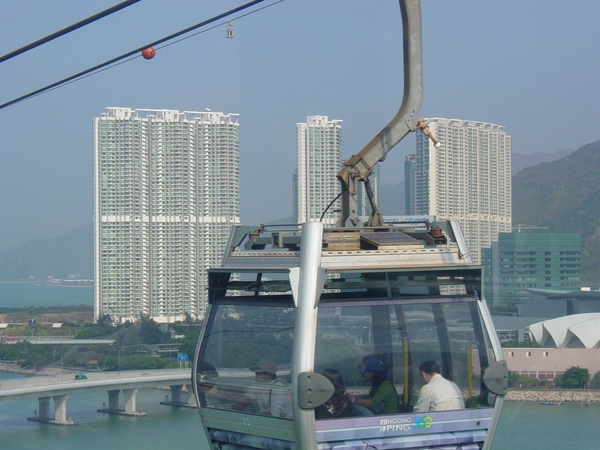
245 359
431 283
403 334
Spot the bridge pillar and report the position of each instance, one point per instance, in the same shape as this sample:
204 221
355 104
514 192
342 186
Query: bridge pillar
176 393
44 408
60 411
191 397
60 408
113 399
113 403
176 390
130 400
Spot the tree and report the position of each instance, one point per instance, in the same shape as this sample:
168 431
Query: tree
575 377
595 383
557 382
88 332
149 332
521 381
517 344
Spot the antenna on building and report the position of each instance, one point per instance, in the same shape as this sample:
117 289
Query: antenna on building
522 226
229 30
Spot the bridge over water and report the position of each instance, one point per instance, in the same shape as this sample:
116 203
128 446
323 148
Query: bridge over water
59 387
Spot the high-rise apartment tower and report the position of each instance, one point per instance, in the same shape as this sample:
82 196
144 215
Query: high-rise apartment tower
468 179
410 165
166 194
315 185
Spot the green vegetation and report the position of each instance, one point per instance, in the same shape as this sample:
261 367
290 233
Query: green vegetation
572 378
134 346
575 378
595 383
514 343
563 196
519 381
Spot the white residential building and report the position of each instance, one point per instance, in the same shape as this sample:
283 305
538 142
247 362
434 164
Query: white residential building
166 194
468 179
318 161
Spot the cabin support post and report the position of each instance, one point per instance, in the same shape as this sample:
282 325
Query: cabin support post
310 285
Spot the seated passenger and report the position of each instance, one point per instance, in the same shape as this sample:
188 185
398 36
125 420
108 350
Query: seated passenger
382 398
207 371
438 394
339 405
270 400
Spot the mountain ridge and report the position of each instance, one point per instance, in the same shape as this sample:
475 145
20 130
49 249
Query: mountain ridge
563 195
544 195
69 255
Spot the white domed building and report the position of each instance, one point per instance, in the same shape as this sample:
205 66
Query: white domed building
577 330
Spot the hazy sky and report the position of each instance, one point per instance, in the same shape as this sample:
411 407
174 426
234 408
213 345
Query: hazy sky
532 66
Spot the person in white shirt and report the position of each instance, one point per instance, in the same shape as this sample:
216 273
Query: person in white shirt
438 394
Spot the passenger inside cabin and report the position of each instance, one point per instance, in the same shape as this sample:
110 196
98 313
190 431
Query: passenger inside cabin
339 405
209 390
272 399
383 398
206 372
438 393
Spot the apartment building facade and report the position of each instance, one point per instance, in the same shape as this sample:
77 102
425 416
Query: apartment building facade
319 159
166 194
468 179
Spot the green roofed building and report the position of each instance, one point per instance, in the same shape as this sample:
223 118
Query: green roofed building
530 260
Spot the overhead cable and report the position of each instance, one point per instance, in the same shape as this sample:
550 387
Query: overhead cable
123 61
68 29
126 55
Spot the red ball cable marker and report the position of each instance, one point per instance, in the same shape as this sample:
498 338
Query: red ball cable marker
148 53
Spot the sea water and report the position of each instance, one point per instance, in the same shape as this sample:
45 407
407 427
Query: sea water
532 426
522 425
27 295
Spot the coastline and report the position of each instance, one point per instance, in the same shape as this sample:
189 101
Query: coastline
559 396
556 396
75 283
45 372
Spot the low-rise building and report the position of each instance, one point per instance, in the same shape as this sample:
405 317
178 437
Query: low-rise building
548 363
520 261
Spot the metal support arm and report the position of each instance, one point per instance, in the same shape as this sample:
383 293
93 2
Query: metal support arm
359 166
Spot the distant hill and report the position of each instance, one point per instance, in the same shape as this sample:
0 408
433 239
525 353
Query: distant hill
283 221
68 254
520 161
564 195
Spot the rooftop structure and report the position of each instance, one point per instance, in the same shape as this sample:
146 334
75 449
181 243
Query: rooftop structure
577 330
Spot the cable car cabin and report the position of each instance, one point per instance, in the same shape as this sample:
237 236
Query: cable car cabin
292 305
